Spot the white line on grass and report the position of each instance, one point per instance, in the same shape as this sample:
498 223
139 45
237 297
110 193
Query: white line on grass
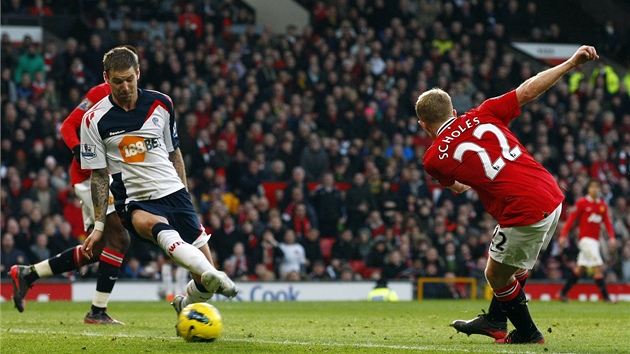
280 342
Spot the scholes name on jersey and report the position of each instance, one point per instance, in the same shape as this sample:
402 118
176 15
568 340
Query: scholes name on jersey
453 132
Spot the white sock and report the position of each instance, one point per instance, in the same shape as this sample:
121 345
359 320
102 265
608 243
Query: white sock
181 278
194 295
100 299
167 278
186 255
43 269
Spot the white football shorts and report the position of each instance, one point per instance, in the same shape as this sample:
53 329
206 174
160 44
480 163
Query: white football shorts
589 255
82 191
519 246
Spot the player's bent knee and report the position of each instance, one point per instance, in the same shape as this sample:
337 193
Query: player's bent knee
118 239
496 279
143 222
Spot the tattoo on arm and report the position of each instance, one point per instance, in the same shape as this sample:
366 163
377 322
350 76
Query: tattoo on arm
100 193
178 162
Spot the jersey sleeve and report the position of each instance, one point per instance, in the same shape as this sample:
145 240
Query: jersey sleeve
70 127
170 131
608 223
444 180
92 146
577 210
504 107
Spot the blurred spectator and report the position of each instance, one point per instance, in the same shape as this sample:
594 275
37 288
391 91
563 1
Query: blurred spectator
394 267
312 248
348 274
318 271
11 255
29 63
294 258
328 205
344 248
45 194
39 250
301 222
625 262
359 202
14 7
133 269
40 8
63 239
298 180
9 89
314 159
239 261
267 253
224 239
376 257
608 40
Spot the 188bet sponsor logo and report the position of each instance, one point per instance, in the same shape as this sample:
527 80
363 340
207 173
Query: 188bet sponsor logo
134 148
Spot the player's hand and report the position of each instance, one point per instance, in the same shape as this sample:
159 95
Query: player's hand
583 55
612 244
77 153
88 246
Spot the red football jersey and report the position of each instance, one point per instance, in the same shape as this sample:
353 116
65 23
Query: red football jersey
591 214
72 124
479 150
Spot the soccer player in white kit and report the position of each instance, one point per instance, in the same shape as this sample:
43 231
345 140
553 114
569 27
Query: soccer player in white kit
133 135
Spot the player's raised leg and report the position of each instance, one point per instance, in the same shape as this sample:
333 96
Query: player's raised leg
24 276
194 256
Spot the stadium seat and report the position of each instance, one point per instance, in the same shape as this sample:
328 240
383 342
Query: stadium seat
326 244
358 266
368 272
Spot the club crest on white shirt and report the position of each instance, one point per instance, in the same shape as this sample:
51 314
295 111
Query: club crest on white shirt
88 151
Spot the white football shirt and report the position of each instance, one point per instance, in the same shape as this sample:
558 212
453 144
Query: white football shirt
134 146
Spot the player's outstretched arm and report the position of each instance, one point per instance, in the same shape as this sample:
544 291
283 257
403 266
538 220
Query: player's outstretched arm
534 86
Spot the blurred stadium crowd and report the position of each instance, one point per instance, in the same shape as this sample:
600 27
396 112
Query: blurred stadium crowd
303 151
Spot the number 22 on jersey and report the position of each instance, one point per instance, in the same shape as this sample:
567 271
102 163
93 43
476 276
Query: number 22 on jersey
491 168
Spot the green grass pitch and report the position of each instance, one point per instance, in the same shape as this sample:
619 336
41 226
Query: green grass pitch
310 327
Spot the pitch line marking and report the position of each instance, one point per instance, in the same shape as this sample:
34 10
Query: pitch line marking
267 341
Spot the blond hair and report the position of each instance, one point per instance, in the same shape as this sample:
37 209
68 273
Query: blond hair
434 106
120 59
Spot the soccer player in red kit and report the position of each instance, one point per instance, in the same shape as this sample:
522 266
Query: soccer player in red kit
477 150
591 211
110 251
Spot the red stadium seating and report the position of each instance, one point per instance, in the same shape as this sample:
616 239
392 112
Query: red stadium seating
326 245
358 266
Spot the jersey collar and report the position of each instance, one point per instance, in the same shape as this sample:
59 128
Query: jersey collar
588 197
443 126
